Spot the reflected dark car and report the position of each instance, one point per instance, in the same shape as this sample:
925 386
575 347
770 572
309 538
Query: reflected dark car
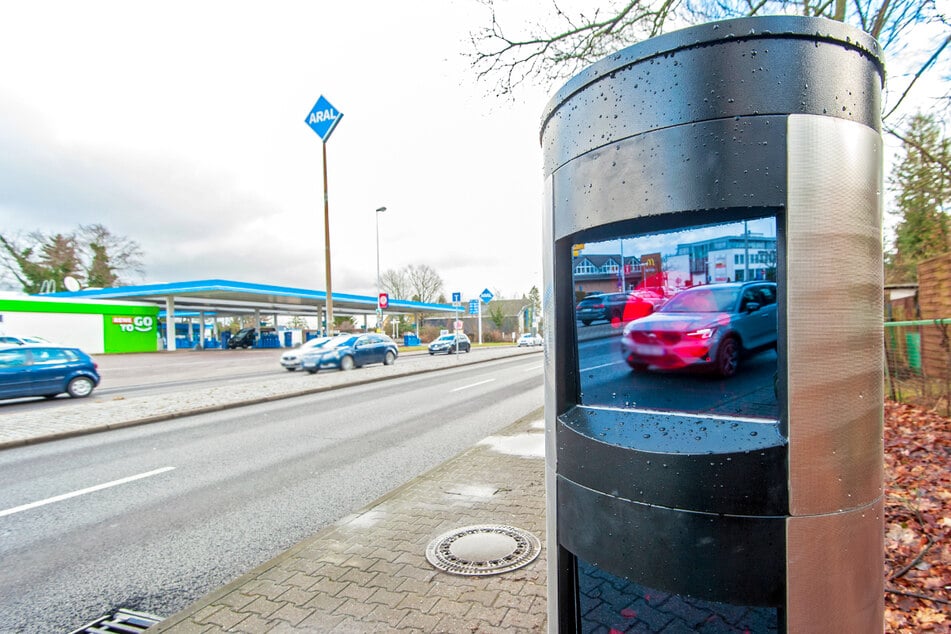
447 344
39 370
615 308
351 351
710 326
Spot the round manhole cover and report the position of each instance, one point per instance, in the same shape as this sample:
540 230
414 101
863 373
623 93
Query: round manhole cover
485 549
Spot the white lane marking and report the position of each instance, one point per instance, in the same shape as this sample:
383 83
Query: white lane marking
466 387
603 365
533 368
92 489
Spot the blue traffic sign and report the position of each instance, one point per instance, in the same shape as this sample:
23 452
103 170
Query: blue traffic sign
456 298
473 307
323 118
486 296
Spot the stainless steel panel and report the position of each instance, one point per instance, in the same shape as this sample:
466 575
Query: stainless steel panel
834 569
834 315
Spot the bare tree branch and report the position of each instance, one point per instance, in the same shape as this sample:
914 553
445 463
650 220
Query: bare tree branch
575 40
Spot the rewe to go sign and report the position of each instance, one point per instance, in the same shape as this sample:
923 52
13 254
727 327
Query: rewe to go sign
323 118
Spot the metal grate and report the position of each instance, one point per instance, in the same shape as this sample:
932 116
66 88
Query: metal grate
485 549
121 622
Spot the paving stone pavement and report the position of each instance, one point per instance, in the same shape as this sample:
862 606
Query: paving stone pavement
369 573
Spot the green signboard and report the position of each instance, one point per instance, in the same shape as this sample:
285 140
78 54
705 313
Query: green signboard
129 332
125 327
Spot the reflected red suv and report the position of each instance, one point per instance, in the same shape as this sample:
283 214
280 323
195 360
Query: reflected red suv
709 325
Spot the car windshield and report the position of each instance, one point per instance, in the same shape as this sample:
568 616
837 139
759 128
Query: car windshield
703 300
446 338
341 341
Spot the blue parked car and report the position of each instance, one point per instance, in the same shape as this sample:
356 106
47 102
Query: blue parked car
40 370
349 351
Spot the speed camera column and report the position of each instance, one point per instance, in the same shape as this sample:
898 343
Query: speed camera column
713 294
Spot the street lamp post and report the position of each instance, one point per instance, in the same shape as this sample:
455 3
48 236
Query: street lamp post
379 309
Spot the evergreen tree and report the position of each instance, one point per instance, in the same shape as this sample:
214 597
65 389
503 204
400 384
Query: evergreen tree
923 188
93 255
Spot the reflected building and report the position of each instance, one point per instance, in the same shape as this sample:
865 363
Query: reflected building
738 258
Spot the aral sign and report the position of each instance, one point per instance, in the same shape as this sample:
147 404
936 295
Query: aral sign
323 118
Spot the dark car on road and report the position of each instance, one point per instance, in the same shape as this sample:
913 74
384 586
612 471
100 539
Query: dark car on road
613 307
710 326
451 343
351 351
244 338
40 370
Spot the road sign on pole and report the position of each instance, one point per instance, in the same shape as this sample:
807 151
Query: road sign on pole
473 307
322 119
384 300
486 296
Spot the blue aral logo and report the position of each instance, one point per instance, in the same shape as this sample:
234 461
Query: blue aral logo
323 118
486 296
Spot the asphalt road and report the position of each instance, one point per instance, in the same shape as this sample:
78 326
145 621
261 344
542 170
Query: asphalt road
170 511
607 380
131 375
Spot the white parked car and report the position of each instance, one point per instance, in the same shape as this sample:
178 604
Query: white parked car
24 341
528 339
291 360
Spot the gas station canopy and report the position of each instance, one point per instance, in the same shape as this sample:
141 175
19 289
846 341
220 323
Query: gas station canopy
226 297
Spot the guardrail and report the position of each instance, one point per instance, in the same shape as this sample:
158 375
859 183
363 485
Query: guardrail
918 363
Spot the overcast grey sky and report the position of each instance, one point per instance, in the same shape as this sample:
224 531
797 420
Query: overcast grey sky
181 125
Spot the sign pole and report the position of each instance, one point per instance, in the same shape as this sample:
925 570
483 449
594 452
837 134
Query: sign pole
322 119
480 322
330 298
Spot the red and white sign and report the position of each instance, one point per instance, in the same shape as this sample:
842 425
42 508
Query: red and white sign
458 324
383 301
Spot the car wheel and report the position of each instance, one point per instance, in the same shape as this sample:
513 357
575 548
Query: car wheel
728 357
468 348
80 387
346 363
638 367
389 358
314 371
431 353
290 369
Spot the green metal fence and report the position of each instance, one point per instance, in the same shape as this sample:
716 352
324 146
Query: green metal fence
918 363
